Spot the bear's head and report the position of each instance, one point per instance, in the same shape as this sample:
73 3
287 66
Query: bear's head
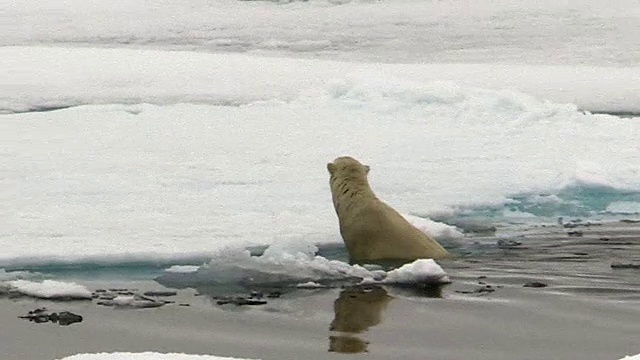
347 166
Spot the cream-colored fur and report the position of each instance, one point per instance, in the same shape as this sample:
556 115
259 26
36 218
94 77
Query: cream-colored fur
371 229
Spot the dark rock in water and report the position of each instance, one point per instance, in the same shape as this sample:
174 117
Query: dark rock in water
160 293
508 244
487 289
250 302
576 223
575 233
274 294
625 266
65 318
184 304
630 221
62 318
535 284
253 298
240 300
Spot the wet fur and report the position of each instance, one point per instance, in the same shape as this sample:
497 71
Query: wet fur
371 229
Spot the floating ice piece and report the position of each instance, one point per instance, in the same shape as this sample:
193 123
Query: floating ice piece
309 285
132 301
634 357
183 269
147 356
421 271
50 289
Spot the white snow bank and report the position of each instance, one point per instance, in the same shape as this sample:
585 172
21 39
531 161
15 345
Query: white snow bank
50 289
146 356
37 78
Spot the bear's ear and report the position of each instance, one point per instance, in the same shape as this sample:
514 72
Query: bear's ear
331 167
367 168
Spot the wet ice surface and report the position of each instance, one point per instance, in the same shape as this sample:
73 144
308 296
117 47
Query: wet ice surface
581 259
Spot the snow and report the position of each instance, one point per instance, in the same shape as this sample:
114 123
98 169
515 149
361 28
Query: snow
422 271
50 289
39 78
634 357
188 127
309 285
182 269
146 356
117 182
298 265
391 31
280 263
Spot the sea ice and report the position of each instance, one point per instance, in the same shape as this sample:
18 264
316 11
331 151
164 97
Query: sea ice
50 289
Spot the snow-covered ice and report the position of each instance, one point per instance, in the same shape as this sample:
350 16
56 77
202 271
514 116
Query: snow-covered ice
185 128
50 289
391 31
40 78
632 357
423 271
116 182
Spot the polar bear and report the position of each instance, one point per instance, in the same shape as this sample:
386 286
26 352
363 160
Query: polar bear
371 229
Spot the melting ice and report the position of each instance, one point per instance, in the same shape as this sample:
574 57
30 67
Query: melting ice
299 266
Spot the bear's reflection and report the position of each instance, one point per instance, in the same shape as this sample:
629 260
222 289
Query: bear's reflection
357 309
360 307
347 344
